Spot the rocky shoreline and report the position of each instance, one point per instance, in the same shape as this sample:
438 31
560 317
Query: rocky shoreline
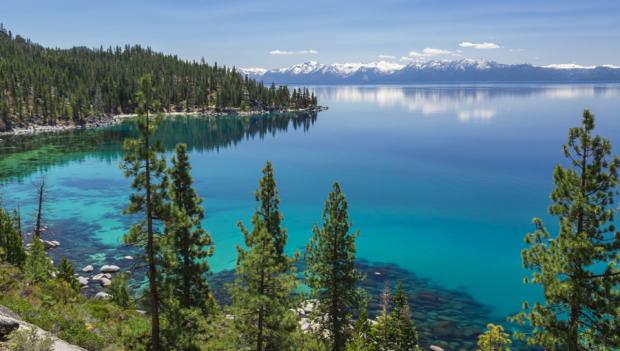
111 120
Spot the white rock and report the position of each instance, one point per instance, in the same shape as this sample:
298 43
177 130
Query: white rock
98 276
110 268
82 280
128 257
436 348
103 296
105 282
107 275
50 244
88 268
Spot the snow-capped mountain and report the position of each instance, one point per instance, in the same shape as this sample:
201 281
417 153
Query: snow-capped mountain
423 71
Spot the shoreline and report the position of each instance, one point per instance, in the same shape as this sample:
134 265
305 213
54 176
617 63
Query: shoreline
112 120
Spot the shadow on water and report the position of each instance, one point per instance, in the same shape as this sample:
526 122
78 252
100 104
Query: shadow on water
23 155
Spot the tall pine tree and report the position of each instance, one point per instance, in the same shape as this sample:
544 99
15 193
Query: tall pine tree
331 272
189 244
269 211
261 293
144 162
578 269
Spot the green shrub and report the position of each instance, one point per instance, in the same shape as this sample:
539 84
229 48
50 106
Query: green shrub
25 339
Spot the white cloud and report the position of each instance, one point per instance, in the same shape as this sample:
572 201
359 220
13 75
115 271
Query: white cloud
300 52
485 45
434 52
428 52
387 57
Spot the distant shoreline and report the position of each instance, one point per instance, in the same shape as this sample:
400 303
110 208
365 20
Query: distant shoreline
112 120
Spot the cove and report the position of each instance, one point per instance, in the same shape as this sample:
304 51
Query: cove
442 181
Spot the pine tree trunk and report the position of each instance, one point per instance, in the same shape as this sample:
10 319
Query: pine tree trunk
151 250
186 275
37 228
334 307
575 310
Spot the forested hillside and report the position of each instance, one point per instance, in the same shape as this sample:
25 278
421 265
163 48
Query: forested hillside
44 85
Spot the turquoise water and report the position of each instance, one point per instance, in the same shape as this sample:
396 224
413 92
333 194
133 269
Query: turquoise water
441 180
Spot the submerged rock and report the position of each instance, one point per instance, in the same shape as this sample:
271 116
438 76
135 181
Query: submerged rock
50 244
109 268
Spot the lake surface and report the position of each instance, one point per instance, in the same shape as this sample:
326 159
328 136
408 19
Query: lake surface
442 181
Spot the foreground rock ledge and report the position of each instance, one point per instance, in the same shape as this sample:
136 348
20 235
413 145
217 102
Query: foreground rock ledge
59 345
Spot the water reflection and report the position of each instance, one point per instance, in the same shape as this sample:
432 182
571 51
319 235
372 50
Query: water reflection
22 155
467 103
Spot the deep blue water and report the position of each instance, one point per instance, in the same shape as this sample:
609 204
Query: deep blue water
441 180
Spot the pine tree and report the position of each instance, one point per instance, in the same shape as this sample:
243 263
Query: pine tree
402 333
269 211
331 273
579 268
144 162
263 285
65 274
381 330
494 339
11 247
189 244
38 266
362 329
119 292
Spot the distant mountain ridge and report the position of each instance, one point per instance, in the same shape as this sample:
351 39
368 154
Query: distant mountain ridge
431 71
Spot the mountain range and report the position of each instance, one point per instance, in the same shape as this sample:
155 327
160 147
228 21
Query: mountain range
432 71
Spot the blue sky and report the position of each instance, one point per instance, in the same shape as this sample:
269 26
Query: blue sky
265 33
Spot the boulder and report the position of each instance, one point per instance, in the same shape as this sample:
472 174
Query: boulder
7 326
83 281
436 348
88 268
105 282
110 268
128 257
98 276
103 296
107 275
50 244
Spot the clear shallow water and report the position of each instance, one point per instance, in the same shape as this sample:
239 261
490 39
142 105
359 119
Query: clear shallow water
441 180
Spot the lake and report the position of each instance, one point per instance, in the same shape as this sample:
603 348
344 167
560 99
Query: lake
442 181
